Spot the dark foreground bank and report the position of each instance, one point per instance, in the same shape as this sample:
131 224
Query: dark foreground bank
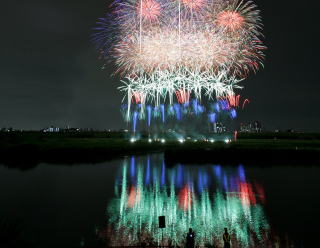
27 149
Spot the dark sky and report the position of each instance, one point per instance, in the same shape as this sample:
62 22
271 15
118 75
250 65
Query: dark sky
50 74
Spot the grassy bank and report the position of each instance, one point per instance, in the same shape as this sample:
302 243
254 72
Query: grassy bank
30 148
257 151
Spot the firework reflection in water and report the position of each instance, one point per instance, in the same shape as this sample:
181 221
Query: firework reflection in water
206 198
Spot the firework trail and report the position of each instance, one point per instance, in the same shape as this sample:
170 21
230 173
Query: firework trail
186 112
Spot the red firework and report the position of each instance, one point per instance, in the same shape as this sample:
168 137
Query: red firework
149 9
246 194
183 96
244 102
134 197
230 20
137 98
233 100
185 198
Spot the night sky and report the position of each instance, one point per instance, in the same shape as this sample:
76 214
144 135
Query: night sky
50 73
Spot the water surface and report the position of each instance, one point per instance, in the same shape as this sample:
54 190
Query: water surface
120 201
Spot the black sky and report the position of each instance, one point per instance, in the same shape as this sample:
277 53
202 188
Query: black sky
50 74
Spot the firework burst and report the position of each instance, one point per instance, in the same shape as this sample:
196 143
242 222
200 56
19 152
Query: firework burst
176 49
149 9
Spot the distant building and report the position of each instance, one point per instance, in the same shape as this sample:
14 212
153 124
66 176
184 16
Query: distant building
220 128
252 127
6 129
73 129
51 129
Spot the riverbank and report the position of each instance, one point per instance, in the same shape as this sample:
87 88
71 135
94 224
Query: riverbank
27 149
256 152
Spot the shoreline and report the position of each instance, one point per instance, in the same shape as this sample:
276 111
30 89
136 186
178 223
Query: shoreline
27 150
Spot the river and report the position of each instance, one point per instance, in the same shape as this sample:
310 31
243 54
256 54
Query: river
119 202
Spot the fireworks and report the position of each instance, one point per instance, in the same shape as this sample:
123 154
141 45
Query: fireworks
170 50
187 111
231 20
193 4
149 9
206 198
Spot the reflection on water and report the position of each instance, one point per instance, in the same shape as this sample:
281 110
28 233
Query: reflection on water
206 198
